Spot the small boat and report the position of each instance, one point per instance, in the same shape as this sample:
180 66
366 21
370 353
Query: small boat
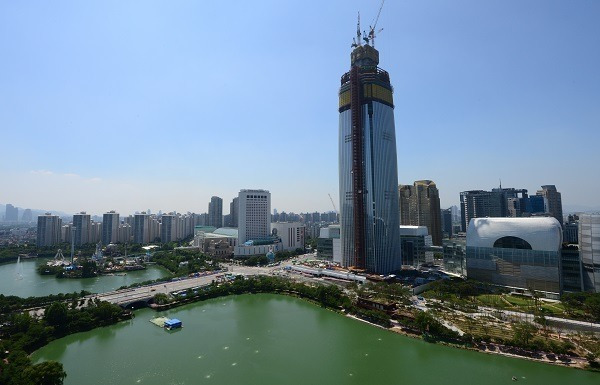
515 378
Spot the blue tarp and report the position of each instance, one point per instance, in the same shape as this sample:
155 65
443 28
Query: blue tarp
173 323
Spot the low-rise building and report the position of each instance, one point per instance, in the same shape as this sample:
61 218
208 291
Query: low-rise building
415 243
291 234
329 244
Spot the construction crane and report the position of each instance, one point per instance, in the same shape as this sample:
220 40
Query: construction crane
356 41
371 36
334 208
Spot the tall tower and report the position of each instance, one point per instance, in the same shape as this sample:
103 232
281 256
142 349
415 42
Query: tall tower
368 164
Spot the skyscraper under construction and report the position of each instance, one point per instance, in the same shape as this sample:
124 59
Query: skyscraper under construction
368 164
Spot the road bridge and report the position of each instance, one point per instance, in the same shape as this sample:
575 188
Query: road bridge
143 294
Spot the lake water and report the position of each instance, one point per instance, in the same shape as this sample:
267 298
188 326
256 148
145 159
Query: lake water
272 339
23 280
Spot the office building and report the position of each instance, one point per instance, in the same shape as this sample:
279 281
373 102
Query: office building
215 212
329 244
368 172
480 204
447 223
254 224
48 230
110 227
455 256
420 206
291 234
554 201
518 253
571 230
415 243
254 217
589 250
82 223
571 269
536 204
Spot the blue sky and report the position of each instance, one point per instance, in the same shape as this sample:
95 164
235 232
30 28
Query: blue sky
131 105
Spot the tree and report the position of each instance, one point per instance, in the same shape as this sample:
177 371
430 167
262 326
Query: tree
45 373
524 332
592 306
56 315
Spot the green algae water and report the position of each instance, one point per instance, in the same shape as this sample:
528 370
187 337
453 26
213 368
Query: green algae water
23 280
272 339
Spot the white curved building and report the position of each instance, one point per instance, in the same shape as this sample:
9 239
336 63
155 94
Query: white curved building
541 233
520 253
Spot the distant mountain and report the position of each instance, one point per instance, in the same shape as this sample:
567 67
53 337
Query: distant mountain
34 212
570 209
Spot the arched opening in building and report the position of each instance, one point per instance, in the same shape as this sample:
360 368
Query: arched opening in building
512 243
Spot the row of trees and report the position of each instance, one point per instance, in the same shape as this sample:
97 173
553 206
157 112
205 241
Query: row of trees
588 303
326 295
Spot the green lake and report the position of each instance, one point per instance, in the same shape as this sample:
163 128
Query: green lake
23 280
272 339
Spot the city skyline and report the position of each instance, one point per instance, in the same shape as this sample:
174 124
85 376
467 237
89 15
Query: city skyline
483 91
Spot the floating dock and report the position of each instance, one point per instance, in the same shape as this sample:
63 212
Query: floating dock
167 323
159 321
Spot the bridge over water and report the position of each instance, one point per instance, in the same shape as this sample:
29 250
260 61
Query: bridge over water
143 294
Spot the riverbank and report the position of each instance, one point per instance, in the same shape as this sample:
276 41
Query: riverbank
574 362
271 339
331 297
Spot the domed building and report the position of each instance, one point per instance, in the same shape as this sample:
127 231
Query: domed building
519 253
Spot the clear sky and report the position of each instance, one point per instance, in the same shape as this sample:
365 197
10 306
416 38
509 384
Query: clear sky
131 105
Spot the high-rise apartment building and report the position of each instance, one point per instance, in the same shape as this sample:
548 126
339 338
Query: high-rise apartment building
48 230
27 216
368 173
82 224
589 249
234 208
215 212
168 228
254 218
554 201
420 206
141 228
12 213
110 227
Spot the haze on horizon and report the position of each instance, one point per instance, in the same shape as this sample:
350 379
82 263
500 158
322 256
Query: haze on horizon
161 105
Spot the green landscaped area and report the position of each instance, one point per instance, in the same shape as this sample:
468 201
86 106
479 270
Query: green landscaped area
508 302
